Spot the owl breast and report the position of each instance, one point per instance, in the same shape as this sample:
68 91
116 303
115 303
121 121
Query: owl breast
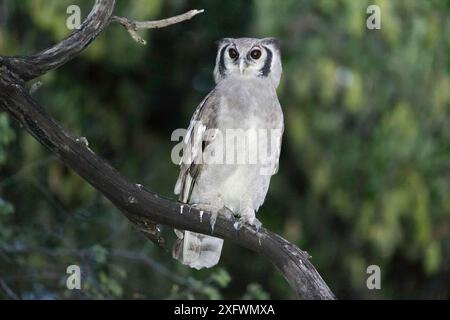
240 182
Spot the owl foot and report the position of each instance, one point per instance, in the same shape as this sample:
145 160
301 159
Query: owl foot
251 221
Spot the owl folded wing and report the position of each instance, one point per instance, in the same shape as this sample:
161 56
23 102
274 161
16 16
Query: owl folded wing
198 136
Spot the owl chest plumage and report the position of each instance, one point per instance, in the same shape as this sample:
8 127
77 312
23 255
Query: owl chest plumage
247 103
244 104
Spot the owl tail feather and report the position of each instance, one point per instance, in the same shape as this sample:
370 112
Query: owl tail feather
197 250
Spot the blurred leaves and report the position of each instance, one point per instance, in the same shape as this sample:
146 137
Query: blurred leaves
255 292
209 288
100 253
221 277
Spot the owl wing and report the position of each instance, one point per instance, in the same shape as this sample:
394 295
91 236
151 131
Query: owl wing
198 136
278 139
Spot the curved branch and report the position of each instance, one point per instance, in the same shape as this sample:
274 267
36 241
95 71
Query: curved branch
30 67
141 206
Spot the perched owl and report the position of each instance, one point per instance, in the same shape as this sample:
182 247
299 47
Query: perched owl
217 173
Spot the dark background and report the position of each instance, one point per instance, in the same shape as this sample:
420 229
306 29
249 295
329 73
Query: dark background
365 167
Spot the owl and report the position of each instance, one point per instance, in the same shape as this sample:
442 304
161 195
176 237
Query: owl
222 169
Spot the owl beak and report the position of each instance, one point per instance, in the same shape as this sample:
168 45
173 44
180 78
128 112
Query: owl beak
242 66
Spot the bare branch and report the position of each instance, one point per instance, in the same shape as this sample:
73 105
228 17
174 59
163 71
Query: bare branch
133 26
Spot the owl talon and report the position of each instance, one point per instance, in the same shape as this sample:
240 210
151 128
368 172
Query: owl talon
257 224
250 222
212 221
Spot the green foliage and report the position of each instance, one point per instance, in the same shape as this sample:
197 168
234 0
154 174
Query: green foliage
100 253
255 292
6 208
364 173
209 288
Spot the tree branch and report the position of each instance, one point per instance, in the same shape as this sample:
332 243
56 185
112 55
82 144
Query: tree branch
30 67
133 26
141 206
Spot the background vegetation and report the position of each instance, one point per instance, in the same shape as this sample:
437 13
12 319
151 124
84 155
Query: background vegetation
365 167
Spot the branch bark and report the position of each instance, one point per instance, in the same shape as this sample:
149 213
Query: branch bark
141 206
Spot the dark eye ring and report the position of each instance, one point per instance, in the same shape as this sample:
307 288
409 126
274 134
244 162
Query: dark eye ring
233 53
255 54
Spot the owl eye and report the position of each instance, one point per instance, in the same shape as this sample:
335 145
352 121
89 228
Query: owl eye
255 54
233 53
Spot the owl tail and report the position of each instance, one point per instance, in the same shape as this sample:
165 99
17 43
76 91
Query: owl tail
197 250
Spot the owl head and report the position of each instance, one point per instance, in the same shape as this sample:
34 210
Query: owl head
248 57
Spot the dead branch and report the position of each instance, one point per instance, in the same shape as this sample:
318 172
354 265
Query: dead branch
132 26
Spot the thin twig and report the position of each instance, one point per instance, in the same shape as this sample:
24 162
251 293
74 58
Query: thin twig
7 290
132 26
